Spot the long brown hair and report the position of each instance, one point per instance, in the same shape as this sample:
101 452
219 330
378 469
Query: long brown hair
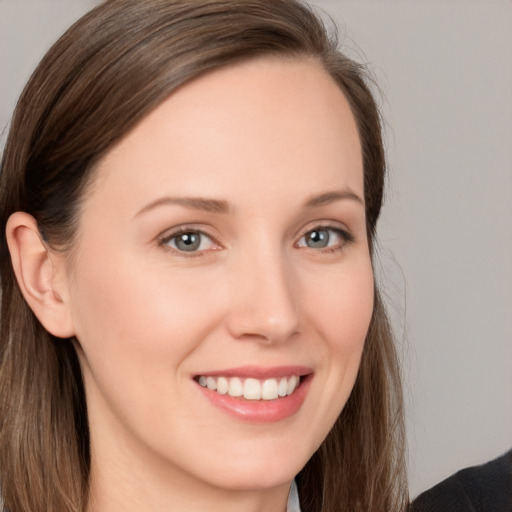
105 74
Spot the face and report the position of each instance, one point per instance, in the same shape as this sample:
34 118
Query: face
221 287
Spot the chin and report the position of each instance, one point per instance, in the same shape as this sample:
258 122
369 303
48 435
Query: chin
249 477
266 467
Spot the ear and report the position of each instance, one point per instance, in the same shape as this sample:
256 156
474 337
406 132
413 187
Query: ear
40 274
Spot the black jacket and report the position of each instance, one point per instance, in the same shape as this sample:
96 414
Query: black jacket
485 488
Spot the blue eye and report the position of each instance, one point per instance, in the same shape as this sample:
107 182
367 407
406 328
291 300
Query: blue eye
189 241
324 238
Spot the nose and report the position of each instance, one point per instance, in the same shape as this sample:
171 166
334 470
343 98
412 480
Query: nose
264 305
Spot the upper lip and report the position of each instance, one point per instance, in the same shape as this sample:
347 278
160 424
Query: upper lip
259 372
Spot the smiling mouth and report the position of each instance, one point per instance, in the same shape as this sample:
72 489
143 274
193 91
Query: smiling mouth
250 388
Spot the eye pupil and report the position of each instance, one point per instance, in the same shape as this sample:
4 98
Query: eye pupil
188 241
317 238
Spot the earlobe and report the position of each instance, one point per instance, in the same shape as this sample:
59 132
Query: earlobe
36 272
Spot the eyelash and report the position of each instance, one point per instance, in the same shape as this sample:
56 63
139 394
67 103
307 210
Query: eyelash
164 241
346 239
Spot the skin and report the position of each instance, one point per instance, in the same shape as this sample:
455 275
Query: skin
264 137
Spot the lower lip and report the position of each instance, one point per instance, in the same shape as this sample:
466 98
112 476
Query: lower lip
260 411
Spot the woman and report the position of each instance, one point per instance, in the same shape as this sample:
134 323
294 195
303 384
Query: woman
189 196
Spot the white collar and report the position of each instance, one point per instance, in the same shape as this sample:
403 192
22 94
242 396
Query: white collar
293 499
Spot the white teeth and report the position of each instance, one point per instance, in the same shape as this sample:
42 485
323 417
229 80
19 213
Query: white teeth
283 387
211 383
222 385
251 389
292 384
236 387
269 389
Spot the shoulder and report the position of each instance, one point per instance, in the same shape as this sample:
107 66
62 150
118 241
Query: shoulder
484 488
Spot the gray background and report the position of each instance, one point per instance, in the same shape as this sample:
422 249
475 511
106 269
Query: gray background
444 68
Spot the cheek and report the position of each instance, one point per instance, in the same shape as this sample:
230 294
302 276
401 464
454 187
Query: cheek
341 312
131 316
126 301
345 305
135 330
341 309
346 309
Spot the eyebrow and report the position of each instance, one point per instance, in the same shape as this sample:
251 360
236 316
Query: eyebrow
197 203
329 197
222 206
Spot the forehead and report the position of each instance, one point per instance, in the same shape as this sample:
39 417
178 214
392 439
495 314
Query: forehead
259 126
